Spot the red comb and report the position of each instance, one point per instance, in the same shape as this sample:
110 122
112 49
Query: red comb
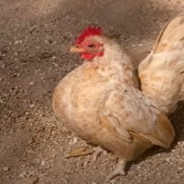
89 31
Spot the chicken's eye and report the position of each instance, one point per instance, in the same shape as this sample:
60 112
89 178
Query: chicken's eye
91 46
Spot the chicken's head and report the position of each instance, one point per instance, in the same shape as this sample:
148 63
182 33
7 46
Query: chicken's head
88 44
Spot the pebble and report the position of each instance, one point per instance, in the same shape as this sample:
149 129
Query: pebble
32 106
23 174
31 83
28 180
6 169
180 168
94 182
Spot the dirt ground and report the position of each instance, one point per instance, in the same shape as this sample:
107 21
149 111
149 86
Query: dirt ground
35 36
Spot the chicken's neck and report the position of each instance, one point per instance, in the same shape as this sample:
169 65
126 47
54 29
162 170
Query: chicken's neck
115 65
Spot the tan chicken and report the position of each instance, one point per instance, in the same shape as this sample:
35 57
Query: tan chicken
99 101
161 72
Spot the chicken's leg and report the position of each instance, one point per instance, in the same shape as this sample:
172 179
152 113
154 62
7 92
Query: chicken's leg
97 152
120 170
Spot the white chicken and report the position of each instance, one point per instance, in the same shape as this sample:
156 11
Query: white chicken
99 101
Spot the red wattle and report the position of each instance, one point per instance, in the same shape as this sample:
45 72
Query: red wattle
88 56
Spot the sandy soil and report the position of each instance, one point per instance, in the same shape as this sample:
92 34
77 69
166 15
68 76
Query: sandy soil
34 39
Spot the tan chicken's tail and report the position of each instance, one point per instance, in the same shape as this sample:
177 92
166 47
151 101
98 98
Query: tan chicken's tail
170 38
163 68
173 32
164 134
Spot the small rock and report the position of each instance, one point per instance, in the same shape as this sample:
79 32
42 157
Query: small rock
54 57
27 113
75 140
31 83
23 174
2 65
28 180
181 144
32 106
42 163
1 101
6 169
55 64
33 28
112 182
16 42
31 173
180 168
93 182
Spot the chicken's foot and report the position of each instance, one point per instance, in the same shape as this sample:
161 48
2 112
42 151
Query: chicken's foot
119 170
97 152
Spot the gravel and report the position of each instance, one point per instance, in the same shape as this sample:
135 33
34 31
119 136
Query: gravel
34 42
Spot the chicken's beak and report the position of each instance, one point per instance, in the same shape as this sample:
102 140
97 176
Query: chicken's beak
76 49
